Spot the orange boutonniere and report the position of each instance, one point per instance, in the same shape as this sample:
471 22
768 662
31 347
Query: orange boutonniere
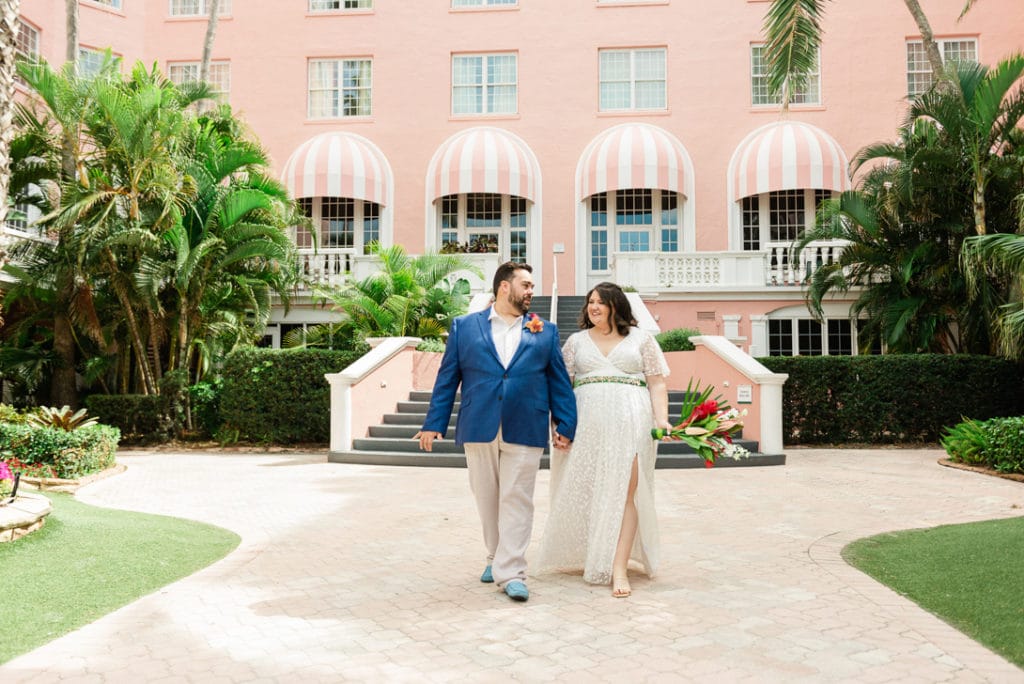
534 325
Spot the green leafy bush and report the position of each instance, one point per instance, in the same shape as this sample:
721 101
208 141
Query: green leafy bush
1006 450
892 399
9 414
205 399
677 339
431 345
73 454
966 442
280 395
139 417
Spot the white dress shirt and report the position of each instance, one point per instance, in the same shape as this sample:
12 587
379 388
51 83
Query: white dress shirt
506 337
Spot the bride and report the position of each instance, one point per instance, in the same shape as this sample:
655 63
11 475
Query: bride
602 509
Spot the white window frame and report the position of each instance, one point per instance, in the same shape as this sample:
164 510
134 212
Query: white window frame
188 72
113 4
90 60
801 328
807 96
484 86
362 211
613 230
464 233
339 88
810 197
633 82
919 80
26 45
182 8
319 6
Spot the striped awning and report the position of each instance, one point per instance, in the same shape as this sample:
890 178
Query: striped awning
787 155
633 155
338 164
484 159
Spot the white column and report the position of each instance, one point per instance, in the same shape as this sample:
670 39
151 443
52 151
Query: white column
771 413
758 335
341 411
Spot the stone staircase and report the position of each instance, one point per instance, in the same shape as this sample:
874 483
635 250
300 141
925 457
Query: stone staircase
391 442
568 313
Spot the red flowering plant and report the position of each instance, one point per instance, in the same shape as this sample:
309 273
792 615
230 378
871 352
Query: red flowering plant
6 480
534 324
706 424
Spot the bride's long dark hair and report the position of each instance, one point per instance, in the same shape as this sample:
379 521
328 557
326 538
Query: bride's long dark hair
615 299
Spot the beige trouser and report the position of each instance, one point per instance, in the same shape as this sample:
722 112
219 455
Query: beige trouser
502 478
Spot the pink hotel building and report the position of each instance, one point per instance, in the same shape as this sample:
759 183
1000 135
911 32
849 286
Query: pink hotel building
623 140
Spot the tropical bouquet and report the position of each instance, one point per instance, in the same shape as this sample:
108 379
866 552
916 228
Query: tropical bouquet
707 424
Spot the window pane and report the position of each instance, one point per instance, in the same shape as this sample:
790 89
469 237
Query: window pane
751 223
483 210
840 338
780 337
633 207
809 337
599 250
786 215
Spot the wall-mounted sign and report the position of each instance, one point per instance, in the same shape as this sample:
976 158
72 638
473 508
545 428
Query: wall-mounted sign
744 394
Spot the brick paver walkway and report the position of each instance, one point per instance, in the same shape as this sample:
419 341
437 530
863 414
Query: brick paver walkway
369 574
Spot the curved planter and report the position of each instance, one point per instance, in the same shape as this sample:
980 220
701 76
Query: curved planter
24 515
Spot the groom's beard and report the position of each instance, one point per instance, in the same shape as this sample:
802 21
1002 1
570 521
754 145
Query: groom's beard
521 304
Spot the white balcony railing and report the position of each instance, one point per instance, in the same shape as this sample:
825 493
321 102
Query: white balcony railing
774 266
333 267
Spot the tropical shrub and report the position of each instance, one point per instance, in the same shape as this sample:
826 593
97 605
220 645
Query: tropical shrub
967 442
1006 451
71 454
280 395
677 339
9 414
892 398
62 418
431 345
140 418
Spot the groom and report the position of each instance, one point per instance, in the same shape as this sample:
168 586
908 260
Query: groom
513 378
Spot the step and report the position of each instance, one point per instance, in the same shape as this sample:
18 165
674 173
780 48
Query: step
441 459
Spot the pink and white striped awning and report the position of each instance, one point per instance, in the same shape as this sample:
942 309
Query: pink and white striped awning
633 155
787 155
484 159
338 164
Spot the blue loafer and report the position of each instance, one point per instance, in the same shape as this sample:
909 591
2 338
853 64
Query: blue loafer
517 591
487 577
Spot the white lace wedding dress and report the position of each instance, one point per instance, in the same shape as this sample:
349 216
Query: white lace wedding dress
589 484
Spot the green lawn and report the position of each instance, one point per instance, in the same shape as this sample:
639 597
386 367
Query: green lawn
969 575
86 562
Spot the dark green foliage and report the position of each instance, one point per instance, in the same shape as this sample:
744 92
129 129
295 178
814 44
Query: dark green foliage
1006 452
205 399
677 339
891 399
140 418
73 454
967 442
280 396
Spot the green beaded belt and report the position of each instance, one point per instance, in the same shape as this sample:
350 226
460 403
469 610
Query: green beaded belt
610 378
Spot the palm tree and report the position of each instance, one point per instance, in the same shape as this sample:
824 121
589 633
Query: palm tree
8 56
1000 255
408 296
219 265
905 226
980 118
793 32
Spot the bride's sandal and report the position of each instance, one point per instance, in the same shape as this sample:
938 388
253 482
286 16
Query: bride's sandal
620 586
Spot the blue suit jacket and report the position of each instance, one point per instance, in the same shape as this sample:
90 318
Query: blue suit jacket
519 398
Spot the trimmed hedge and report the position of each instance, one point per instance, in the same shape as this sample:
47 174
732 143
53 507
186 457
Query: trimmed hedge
891 399
280 395
73 454
139 417
677 339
